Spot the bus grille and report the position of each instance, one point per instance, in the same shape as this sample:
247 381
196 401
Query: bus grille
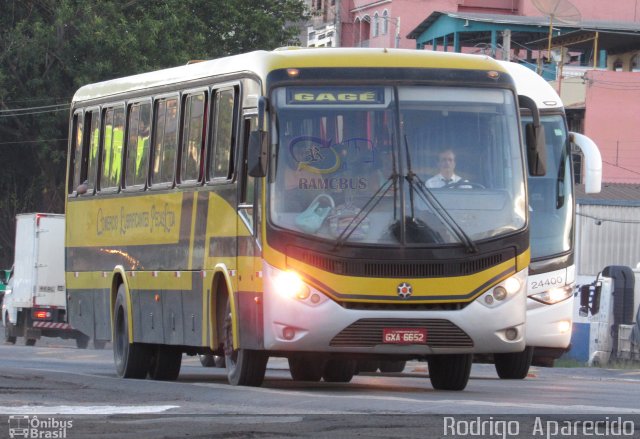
368 333
399 269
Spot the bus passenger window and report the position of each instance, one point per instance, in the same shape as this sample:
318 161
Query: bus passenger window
138 144
165 141
92 150
78 129
221 164
112 148
192 137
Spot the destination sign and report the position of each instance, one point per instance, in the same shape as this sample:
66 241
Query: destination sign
335 95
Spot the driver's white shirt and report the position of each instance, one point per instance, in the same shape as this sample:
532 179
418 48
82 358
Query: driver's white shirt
439 181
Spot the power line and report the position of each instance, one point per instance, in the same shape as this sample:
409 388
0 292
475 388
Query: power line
35 112
18 110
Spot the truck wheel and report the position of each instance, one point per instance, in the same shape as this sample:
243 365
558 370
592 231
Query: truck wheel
165 363
306 368
8 330
244 367
392 366
513 365
132 359
339 370
29 341
450 371
82 341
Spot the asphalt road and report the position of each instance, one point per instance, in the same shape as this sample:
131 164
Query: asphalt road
57 383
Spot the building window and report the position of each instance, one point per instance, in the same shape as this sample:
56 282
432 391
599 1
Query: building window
385 22
635 63
376 25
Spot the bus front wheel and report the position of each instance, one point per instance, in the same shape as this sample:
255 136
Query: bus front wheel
245 367
450 371
132 359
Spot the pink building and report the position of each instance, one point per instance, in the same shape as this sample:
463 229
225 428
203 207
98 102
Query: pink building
604 101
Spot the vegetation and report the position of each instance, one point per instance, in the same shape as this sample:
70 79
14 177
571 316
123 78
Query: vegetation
49 48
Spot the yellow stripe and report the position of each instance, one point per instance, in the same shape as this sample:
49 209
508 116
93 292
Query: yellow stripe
193 229
143 280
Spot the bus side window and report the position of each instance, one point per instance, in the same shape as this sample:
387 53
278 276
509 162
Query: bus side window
76 153
112 148
90 150
193 136
221 157
165 141
137 149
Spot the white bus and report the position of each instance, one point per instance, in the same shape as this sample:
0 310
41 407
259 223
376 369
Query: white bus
552 214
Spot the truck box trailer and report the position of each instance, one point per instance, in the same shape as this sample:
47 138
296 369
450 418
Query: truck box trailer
35 298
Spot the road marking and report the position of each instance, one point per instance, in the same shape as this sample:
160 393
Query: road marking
85 410
526 408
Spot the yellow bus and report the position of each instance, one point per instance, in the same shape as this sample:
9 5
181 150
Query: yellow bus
277 204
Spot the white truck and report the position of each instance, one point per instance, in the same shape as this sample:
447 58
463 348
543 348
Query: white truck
35 298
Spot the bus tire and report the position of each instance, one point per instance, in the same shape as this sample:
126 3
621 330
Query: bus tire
8 330
206 360
450 371
513 365
339 370
305 368
388 366
132 360
29 341
165 363
245 367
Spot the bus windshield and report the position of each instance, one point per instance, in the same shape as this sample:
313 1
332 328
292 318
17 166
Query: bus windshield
551 196
349 162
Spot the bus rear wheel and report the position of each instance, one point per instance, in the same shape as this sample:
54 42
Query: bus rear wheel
306 368
513 365
165 363
132 359
450 371
338 370
245 367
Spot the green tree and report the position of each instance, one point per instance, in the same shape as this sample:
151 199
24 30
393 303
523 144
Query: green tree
49 48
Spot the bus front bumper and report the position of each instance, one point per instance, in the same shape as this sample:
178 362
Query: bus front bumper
327 327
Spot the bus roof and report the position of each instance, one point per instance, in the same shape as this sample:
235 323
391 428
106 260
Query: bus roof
530 84
262 62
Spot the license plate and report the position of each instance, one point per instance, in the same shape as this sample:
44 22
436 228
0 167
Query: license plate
404 335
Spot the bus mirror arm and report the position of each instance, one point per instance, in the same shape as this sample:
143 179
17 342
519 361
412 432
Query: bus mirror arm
535 139
257 153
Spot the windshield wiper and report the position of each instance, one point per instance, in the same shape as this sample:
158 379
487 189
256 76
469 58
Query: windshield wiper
366 209
417 185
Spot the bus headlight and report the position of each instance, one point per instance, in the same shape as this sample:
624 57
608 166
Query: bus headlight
553 295
290 285
504 290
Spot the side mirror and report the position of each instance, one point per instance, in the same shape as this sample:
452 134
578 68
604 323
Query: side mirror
534 139
590 298
592 162
257 154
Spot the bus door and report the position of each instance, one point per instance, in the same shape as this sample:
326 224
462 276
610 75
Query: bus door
249 298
